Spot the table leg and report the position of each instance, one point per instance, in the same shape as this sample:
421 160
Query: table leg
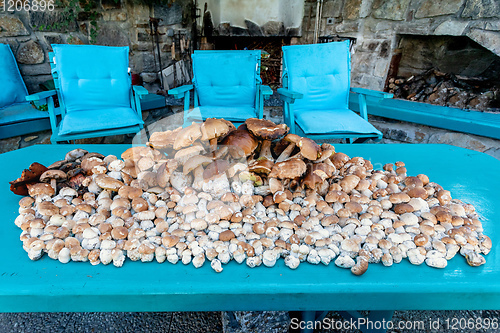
308 317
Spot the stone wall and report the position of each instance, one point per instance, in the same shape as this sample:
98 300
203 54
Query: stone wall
376 25
118 23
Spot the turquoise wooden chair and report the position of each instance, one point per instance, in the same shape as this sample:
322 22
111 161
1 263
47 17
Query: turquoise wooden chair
17 116
95 93
226 85
316 87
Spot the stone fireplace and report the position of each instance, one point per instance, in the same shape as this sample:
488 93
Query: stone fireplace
445 70
266 25
381 26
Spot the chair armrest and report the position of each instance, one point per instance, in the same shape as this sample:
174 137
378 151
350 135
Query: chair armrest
179 91
373 93
266 91
289 96
140 91
40 96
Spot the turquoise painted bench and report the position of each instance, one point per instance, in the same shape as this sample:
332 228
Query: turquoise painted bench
473 122
47 285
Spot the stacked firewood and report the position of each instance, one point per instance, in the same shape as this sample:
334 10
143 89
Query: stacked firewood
444 89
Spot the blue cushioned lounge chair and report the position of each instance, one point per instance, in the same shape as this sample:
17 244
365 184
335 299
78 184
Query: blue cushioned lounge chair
17 116
316 81
226 85
95 93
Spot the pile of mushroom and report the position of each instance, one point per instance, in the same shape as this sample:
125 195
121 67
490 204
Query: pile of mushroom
211 192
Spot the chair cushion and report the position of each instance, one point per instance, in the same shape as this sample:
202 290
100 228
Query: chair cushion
12 88
240 113
336 121
95 120
20 112
226 78
321 72
93 77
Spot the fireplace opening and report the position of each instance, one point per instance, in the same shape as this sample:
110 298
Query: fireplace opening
270 71
447 71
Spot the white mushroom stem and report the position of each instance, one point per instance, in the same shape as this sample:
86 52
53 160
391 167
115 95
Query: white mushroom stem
265 150
53 183
198 178
285 154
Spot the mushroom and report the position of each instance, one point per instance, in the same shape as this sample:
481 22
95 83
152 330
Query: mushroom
361 265
163 140
261 166
327 151
184 154
53 176
215 129
292 140
108 183
75 154
288 169
40 190
241 143
309 149
267 131
187 136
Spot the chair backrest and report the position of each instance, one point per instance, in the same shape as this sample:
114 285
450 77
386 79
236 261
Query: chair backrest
12 88
91 77
226 78
319 71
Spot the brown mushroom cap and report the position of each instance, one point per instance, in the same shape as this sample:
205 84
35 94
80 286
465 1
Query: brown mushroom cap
266 129
241 143
57 164
309 149
226 235
184 154
58 175
289 169
108 183
194 162
132 153
35 190
213 128
89 163
327 150
75 154
129 192
162 140
187 136
47 208
119 232
262 166
339 159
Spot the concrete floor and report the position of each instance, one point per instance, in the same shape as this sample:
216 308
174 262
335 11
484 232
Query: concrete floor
193 322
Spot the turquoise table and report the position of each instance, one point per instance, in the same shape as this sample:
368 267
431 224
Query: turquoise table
47 285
